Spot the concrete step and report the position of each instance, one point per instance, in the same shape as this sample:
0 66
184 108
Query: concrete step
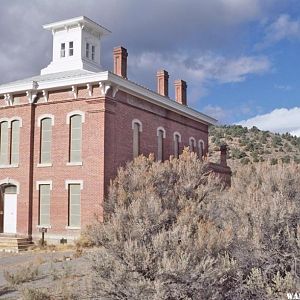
14 244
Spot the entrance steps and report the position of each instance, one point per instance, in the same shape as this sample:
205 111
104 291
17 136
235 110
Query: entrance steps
12 243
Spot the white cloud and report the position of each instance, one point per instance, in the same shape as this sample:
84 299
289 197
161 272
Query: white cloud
279 120
282 28
202 70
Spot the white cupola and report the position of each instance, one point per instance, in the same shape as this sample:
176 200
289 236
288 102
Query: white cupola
76 45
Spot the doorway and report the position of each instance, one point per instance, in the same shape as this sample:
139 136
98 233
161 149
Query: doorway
8 209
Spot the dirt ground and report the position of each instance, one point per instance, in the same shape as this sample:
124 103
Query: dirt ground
61 275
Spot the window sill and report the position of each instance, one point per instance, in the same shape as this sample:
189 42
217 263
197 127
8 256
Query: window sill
9 166
44 226
73 227
77 163
44 165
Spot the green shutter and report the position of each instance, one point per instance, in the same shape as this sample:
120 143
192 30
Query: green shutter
74 205
4 143
44 204
46 136
76 138
15 142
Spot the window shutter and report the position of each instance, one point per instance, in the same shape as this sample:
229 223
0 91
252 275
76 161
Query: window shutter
74 205
46 137
76 138
4 143
15 142
44 204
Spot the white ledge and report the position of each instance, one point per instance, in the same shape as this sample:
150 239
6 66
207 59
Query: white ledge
9 166
77 163
73 227
44 165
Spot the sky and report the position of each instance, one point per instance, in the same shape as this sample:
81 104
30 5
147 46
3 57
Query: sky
240 58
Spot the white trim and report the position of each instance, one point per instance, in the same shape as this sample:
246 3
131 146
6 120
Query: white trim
40 182
74 163
201 142
123 84
5 120
10 120
138 122
16 119
45 116
70 181
178 134
73 113
7 180
9 166
73 227
162 129
44 165
194 140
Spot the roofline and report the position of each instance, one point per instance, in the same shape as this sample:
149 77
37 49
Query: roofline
115 80
78 20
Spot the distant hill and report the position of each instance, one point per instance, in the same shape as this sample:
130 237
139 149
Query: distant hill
253 145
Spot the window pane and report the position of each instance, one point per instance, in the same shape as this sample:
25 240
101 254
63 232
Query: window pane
87 50
44 216
74 205
62 50
160 139
176 146
15 142
46 136
71 49
76 138
93 52
4 143
136 140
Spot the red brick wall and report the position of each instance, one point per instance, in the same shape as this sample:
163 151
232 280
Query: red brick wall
118 142
107 144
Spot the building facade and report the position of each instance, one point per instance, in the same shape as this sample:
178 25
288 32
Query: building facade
65 132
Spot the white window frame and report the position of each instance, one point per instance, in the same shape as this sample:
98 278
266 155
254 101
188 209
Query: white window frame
67 183
45 116
138 122
75 112
162 129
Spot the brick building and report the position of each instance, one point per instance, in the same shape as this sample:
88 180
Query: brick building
64 133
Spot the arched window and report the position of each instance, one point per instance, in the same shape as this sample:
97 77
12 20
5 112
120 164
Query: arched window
46 141
137 128
201 148
15 142
75 139
177 140
161 134
4 143
192 144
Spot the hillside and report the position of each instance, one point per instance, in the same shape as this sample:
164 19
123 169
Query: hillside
253 145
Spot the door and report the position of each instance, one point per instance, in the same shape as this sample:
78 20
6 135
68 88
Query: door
10 213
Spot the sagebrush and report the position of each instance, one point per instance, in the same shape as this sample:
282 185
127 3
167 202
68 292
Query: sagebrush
172 231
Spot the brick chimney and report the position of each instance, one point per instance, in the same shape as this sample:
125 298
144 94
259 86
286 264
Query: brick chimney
120 61
180 91
162 83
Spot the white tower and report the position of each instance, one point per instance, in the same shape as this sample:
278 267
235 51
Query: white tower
76 45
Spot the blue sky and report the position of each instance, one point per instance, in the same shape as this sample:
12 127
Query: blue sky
240 58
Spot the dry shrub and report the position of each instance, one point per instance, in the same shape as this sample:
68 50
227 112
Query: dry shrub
23 274
35 294
173 232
